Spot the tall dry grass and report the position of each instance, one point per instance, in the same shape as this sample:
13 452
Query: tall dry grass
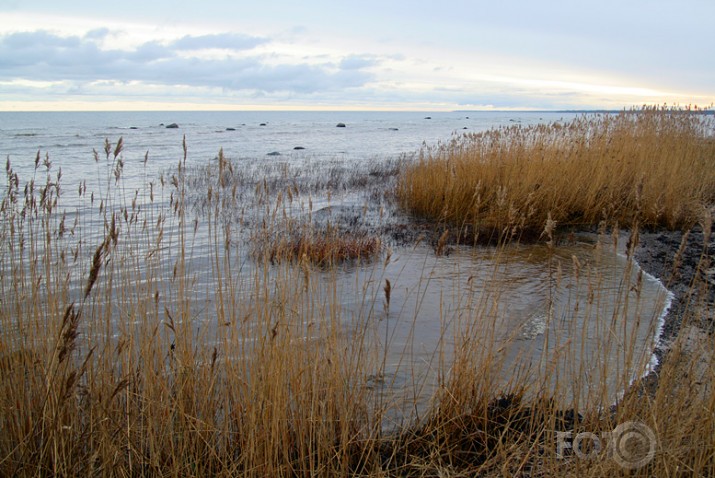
115 363
652 165
116 360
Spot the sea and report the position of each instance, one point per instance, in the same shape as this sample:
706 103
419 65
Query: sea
539 312
69 138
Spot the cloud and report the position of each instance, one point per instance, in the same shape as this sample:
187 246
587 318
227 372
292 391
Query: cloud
231 41
40 39
97 34
232 67
149 52
357 62
46 57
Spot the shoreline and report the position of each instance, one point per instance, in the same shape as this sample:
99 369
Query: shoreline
677 259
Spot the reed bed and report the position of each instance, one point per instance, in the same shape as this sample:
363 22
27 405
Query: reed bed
651 165
114 363
116 360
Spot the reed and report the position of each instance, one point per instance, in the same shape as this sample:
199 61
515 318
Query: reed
651 165
116 359
321 247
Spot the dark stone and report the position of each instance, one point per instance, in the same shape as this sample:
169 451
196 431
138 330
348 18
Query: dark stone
428 117
172 126
394 129
133 127
263 124
273 153
340 125
230 129
297 148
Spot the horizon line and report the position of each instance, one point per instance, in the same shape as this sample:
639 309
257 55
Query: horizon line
336 110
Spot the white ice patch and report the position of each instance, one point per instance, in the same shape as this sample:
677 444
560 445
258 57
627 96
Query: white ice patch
533 327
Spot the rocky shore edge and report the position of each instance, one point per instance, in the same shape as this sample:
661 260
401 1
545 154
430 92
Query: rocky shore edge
684 261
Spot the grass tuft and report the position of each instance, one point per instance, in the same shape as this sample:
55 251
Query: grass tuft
322 248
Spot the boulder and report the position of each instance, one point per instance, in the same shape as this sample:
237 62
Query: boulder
172 126
340 125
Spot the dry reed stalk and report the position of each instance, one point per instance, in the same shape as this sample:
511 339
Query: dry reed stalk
651 164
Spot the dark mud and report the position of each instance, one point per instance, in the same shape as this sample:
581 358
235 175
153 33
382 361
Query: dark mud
685 264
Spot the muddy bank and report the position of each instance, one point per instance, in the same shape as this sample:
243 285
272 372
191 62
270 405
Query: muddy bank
685 263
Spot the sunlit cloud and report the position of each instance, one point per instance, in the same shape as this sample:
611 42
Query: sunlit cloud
310 58
43 56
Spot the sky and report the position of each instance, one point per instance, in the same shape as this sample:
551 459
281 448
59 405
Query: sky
359 55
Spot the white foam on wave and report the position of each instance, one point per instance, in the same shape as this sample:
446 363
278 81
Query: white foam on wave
660 321
660 325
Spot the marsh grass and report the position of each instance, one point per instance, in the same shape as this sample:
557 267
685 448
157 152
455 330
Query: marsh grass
126 368
651 165
321 247
117 360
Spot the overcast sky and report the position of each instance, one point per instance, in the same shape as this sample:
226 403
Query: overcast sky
361 54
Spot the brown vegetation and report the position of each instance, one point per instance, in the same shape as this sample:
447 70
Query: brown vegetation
324 247
114 364
653 166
